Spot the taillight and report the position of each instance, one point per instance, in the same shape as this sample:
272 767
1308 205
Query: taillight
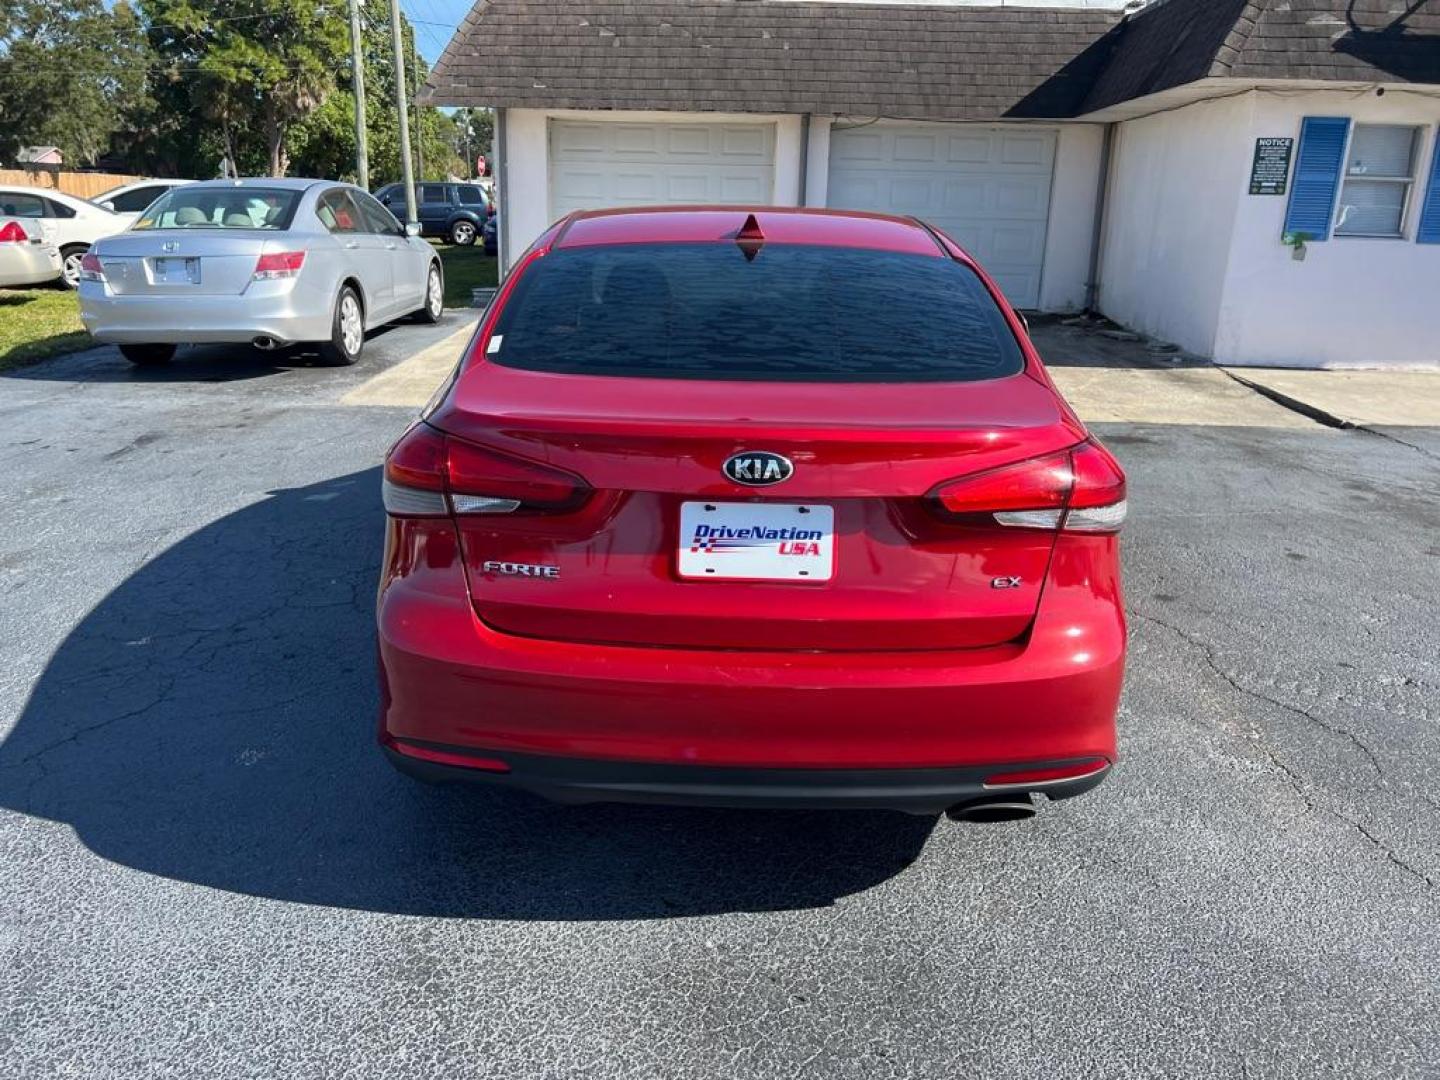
90 268
12 233
1083 488
429 474
414 484
1098 502
483 481
280 264
1038 486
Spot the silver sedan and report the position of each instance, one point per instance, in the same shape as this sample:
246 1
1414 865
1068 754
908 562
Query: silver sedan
270 262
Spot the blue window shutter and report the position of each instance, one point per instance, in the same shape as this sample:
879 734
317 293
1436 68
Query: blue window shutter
1317 175
1430 213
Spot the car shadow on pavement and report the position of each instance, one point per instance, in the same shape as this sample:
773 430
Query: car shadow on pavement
192 364
212 721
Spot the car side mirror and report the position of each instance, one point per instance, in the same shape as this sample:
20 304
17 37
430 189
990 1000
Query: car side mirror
412 228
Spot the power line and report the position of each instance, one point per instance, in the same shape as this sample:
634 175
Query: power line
430 9
164 69
144 28
435 39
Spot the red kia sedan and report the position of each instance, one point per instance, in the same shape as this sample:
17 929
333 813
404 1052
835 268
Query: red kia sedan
753 508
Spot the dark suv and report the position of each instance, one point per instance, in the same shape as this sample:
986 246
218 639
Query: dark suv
454 211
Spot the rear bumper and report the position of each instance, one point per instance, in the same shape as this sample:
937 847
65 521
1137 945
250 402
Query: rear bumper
579 781
287 316
787 721
28 264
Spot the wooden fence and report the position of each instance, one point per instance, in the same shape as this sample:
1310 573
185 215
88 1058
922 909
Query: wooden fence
84 185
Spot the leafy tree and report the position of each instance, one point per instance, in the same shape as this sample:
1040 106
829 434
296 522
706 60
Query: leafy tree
254 66
165 135
178 86
474 135
69 71
324 143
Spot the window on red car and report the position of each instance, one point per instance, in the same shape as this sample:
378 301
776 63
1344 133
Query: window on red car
793 313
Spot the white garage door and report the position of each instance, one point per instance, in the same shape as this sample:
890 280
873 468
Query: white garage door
988 188
596 165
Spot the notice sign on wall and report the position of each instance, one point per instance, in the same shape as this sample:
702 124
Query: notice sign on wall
1271 170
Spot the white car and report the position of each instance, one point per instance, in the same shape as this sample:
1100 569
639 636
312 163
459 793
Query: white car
28 255
128 200
268 262
77 223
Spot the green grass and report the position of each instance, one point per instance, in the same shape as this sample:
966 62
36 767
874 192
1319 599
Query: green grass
465 268
36 323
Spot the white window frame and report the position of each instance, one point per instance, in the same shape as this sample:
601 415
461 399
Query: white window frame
1417 140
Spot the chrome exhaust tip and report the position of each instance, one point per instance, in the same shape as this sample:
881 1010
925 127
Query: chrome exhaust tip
991 811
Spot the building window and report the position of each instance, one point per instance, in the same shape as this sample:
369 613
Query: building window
1428 231
1379 172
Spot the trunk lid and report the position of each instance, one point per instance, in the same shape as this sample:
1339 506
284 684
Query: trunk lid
184 262
901 579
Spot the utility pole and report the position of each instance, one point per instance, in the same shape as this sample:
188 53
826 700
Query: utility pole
419 127
402 107
357 78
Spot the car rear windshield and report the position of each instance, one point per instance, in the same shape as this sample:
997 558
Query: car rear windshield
793 313
222 208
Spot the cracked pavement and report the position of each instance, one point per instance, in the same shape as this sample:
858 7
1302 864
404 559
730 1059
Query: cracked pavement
206 869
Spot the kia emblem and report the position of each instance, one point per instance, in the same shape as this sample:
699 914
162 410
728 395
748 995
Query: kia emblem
758 468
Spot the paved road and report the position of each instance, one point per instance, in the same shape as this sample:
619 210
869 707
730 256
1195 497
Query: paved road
206 870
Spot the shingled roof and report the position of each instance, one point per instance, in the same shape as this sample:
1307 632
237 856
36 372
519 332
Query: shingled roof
921 62
1174 42
917 62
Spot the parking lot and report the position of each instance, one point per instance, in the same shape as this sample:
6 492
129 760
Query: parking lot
207 869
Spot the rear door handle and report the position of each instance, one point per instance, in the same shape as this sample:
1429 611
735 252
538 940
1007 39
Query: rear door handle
352 243
389 247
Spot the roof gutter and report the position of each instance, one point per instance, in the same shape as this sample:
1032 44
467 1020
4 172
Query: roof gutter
1102 210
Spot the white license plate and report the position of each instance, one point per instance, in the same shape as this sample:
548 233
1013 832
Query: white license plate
757 541
177 271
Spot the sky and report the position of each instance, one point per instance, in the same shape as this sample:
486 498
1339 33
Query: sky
435 21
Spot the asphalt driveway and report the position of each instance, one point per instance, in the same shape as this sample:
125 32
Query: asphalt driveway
206 869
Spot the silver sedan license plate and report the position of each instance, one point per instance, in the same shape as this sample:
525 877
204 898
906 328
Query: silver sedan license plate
178 271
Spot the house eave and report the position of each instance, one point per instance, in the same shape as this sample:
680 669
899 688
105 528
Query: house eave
1212 89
